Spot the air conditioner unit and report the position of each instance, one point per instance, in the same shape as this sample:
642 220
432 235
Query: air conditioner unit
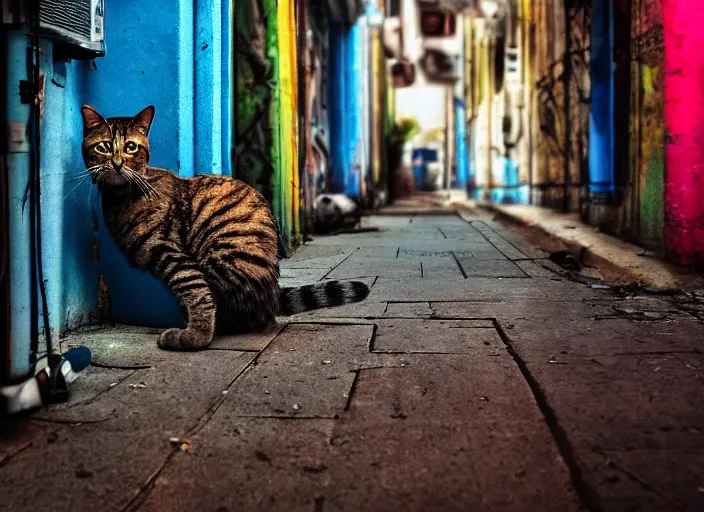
78 24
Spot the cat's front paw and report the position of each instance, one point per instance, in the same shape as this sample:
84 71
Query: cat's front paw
183 339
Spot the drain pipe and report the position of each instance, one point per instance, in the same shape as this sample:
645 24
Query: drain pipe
18 364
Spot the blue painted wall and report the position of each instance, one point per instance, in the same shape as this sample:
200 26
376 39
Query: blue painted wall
353 74
177 56
150 60
337 109
18 172
461 141
346 114
68 238
70 271
601 125
472 190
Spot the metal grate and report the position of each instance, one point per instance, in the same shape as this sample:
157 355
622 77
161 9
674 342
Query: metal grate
68 16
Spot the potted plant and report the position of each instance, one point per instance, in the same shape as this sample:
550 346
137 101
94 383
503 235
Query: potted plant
398 143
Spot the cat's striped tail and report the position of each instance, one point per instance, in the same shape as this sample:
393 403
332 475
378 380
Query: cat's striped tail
321 295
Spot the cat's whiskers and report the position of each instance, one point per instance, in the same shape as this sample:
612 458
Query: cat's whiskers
81 182
147 187
139 181
91 171
129 174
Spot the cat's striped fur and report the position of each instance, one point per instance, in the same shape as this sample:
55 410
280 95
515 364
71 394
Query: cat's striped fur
211 239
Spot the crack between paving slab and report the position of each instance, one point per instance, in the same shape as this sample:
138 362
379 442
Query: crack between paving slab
489 228
352 392
459 265
585 492
5 459
58 421
333 268
372 339
120 367
141 494
148 485
502 252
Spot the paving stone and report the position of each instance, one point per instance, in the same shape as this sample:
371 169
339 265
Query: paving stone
609 474
438 220
301 277
248 341
317 252
626 402
122 348
417 430
364 309
394 222
522 244
438 336
509 310
408 309
90 383
120 439
476 268
358 241
592 337
306 372
480 251
428 437
440 268
399 290
137 348
243 464
536 268
457 246
376 267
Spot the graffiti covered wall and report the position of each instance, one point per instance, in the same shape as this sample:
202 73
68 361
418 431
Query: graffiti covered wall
266 111
559 119
647 121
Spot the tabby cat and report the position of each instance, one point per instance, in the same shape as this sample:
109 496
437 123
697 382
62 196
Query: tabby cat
211 239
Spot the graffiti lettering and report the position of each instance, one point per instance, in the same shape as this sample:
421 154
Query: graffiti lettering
647 42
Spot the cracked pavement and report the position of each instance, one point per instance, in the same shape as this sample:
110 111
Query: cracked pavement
476 376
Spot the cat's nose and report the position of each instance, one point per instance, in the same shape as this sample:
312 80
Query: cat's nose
117 163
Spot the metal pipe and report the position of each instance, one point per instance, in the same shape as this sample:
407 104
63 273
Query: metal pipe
19 235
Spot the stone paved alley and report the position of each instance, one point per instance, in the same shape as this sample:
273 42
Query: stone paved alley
476 377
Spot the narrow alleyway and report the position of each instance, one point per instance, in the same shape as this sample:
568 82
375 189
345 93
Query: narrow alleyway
476 376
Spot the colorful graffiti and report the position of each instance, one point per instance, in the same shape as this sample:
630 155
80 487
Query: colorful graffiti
647 120
266 131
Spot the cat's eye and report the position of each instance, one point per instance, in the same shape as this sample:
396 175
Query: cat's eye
131 147
104 148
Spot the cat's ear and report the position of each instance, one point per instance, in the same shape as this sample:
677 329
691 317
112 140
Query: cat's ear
91 117
143 121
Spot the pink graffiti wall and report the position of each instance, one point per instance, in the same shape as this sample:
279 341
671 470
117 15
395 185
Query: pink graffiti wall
684 120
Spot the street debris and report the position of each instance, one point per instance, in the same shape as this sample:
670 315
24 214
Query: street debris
566 260
183 445
82 472
140 385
